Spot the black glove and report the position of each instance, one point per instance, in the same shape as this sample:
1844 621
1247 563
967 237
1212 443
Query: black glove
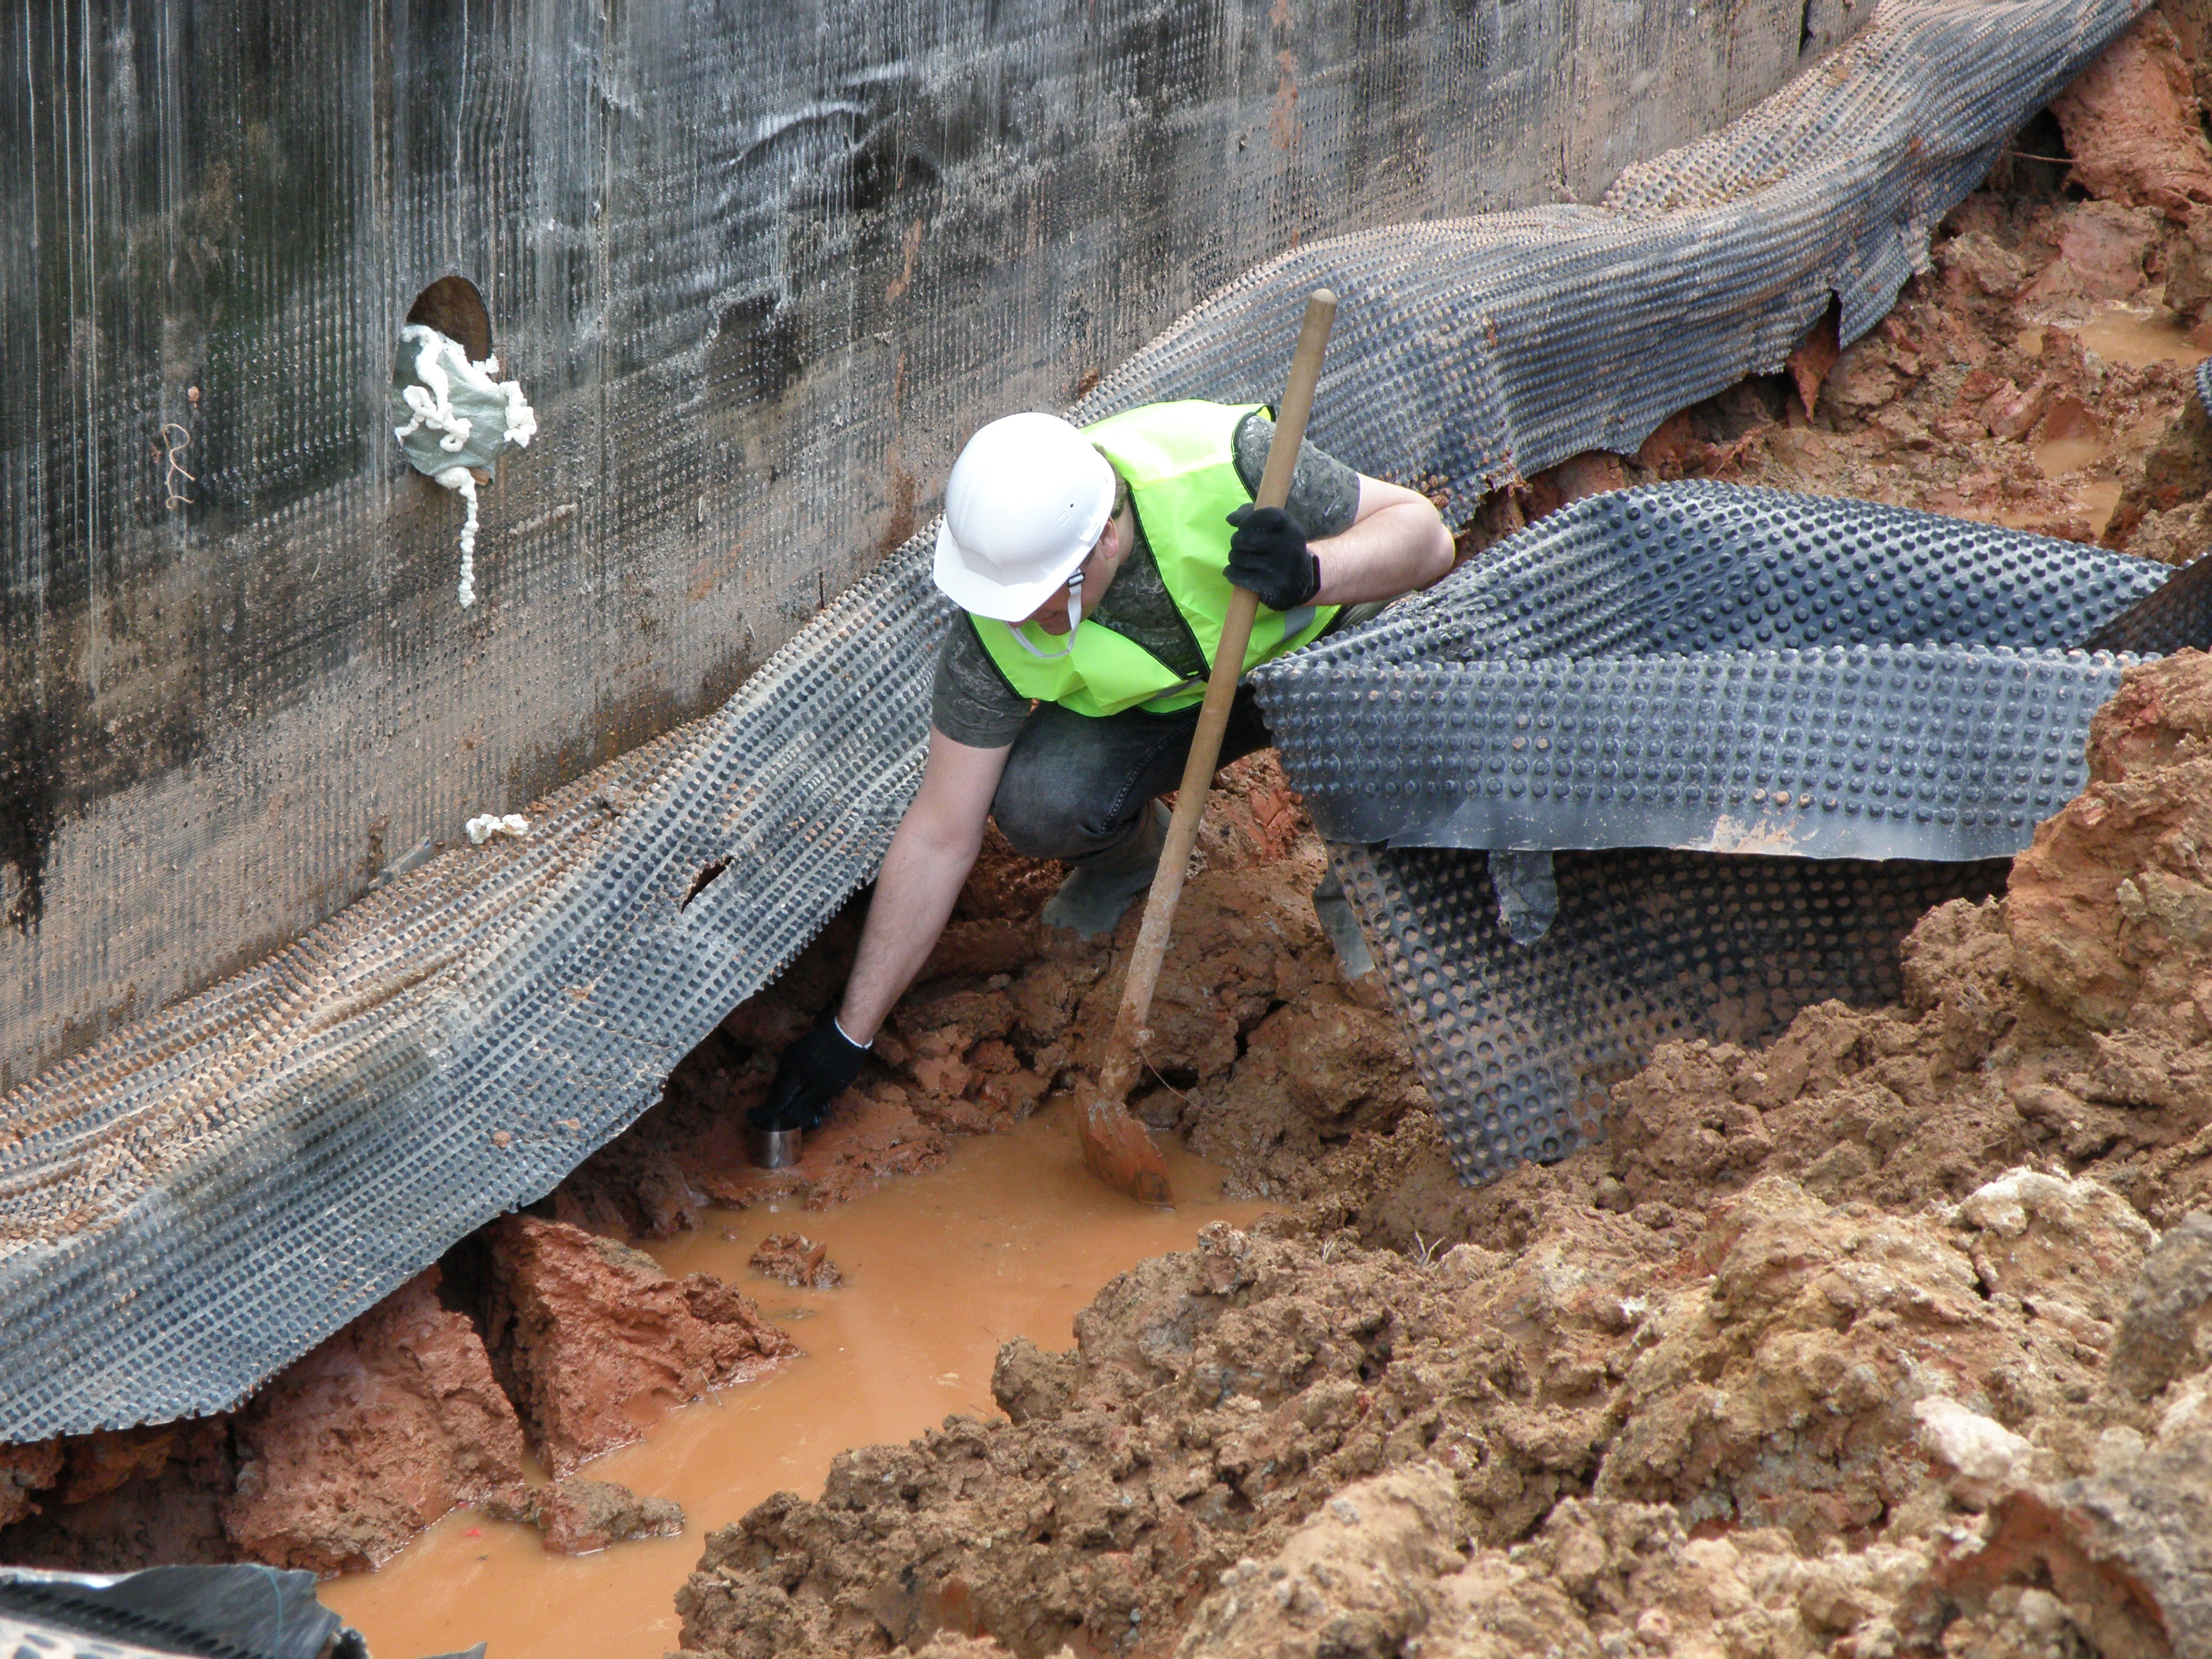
813 1071
1269 556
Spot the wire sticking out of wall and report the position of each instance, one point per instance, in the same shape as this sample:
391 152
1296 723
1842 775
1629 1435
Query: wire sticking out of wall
452 417
168 451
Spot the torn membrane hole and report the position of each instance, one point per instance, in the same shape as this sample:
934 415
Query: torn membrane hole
700 883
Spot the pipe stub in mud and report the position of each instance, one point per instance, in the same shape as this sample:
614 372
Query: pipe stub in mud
774 1149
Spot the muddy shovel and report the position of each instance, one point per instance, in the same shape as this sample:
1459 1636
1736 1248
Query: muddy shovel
1114 1144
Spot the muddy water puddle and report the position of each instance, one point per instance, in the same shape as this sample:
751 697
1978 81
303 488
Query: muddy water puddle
2077 459
2136 336
1010 1237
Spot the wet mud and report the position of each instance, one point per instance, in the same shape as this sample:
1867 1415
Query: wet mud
1008 1237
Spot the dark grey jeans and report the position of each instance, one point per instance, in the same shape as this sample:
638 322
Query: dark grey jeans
1076 786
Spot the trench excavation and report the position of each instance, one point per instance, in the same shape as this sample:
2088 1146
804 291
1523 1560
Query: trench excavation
450 1047
1881 1336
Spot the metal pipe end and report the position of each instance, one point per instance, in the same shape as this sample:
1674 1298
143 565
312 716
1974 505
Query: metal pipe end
774 1149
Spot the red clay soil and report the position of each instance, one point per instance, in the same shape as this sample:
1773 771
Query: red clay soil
371 1438
580 1516
2128 121
1865 1342
408 1412
795 1259
593 1340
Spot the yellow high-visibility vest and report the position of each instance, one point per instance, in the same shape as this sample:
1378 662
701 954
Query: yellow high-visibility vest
1179 461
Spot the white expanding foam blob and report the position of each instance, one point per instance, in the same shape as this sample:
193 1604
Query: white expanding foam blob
485 825
450 416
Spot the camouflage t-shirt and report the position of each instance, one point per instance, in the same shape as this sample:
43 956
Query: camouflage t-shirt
971 702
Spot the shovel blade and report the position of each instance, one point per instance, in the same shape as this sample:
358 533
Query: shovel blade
1118 1150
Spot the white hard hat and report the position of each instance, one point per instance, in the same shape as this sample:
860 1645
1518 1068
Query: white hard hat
1028 498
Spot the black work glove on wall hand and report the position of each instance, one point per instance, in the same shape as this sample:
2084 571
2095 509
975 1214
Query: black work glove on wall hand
814 1071
1269 556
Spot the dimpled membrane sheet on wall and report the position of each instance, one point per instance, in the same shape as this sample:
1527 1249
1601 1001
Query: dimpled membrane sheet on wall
1792 723
759 266
1470 353
192 1203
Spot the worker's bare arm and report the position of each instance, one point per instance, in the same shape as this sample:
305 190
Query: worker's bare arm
930 856
1397 544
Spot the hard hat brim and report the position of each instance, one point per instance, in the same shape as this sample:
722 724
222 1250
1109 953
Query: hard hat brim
985 595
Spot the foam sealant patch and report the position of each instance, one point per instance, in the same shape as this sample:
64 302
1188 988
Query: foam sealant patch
482 827
195 1202
453 417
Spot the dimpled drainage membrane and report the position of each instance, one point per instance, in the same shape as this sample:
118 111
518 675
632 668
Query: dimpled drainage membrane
1706 666
1748 697
1517 1043
1470 352
200 1199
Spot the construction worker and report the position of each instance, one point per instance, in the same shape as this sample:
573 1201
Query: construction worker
1094 566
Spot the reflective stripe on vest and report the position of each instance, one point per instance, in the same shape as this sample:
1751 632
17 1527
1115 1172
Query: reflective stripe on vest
1179 461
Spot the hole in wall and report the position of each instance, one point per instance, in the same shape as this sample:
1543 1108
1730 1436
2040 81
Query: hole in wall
453 307
701 882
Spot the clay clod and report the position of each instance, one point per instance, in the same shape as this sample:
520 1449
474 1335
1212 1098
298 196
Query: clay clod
592 1339
374 1434
796 1260
579 1517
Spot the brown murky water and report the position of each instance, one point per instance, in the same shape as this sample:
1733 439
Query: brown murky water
1010 1237
2127 334
2119 334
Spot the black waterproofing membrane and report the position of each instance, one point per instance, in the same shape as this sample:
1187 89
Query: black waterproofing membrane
191 1205
759 269
217 1613
1860 709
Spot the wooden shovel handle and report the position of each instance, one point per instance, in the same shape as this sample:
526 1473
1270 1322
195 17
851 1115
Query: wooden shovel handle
1120 1071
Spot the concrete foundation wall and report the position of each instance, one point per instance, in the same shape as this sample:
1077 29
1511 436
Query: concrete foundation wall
760 267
